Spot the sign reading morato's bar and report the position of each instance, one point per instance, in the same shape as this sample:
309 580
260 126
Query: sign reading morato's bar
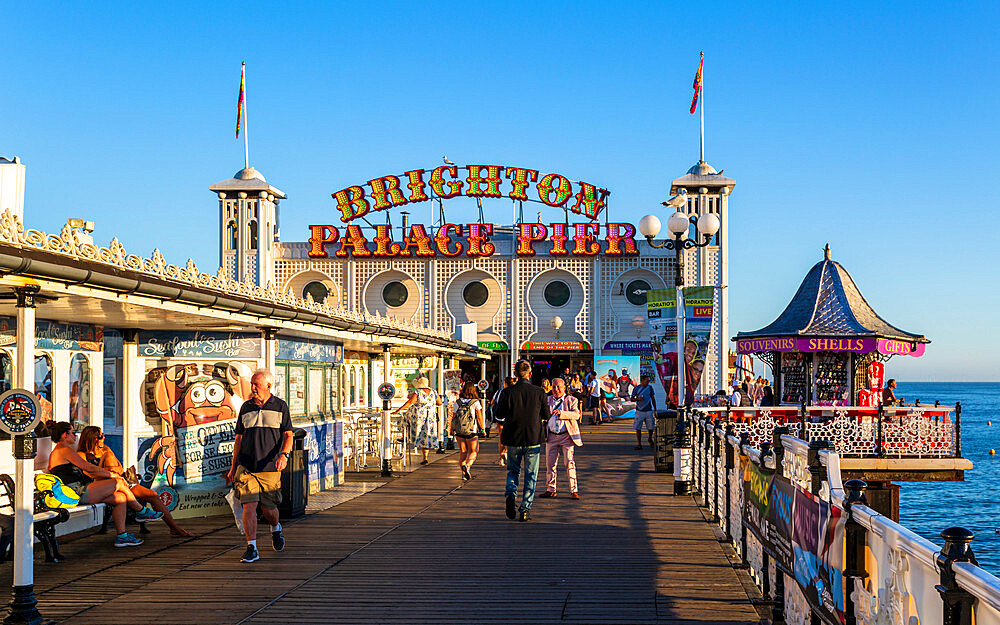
482 181
577 239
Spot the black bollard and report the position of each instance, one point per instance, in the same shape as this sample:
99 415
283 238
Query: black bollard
957 602
855 538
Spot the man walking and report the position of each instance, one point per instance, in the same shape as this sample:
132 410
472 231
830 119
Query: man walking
645 410
260 452
563 436
524 410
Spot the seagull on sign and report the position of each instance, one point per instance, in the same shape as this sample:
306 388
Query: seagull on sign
446 161
678 201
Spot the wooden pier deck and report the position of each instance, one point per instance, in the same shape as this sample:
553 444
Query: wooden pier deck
427 548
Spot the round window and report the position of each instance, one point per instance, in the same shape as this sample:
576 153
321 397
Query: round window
475 294
635 292
394 294
316 290
556 293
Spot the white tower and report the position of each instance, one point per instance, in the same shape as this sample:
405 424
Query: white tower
248 226
708 192
12 186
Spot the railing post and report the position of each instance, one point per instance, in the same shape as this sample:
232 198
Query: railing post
880 446
714 506
803 421
682 454
815 465
957 601
703 484
744 441
855 538
778 606
958 429
730 468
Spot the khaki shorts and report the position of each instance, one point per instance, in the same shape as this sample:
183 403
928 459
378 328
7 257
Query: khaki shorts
264 487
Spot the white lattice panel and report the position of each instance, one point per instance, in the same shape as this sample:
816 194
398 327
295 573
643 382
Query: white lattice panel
611 268
528 268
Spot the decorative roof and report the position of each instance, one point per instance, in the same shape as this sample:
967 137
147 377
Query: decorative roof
829 303
702 175
248 179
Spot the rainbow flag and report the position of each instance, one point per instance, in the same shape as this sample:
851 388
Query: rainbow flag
697 86
239 102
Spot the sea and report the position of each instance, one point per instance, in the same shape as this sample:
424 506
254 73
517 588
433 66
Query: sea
929 507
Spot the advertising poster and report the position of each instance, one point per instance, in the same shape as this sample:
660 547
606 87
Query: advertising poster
698 304
803 535
194 406
661 310
620 406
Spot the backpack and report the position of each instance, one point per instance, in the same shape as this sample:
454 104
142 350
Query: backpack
462 420
55 494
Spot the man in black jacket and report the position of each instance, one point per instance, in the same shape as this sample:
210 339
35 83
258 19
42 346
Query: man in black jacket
524 410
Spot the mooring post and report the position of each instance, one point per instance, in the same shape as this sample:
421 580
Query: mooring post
855 538
957 602
816 472
730 468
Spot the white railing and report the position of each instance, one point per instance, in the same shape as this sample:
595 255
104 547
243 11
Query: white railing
814 548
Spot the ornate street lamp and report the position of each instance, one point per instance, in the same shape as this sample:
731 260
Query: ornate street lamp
679 225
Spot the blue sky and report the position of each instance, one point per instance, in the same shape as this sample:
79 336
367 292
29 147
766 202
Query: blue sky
872 128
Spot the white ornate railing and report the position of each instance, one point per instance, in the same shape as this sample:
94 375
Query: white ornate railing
68 244
815 549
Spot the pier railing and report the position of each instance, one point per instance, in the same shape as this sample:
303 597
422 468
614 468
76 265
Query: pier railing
814 548
856 431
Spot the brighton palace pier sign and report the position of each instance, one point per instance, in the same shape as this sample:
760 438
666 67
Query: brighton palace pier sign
577 239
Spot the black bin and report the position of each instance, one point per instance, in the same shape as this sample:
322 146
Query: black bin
295 479
663 452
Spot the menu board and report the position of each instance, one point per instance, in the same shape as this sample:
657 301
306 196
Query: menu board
315 391
831 380
793 378
297 390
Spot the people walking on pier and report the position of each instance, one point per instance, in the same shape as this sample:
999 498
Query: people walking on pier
467 421
260 452
562 437
645 411
424 422
524 409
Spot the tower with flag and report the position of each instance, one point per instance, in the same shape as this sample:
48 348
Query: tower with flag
241 114
699 97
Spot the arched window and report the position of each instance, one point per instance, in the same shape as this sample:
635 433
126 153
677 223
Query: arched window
231 235
317 290
79 391
43 384
352 397
361 386
252 234
6 372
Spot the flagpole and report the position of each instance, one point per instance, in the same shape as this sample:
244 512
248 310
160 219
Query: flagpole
702 105
246 126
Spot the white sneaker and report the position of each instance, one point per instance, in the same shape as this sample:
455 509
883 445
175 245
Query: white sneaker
503 460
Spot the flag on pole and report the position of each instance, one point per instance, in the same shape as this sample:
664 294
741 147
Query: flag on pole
239 102
697 86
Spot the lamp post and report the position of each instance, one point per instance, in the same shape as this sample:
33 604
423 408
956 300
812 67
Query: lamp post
679 225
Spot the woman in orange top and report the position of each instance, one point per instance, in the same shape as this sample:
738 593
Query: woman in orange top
92 447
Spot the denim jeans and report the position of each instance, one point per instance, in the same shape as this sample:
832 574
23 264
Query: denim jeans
530 456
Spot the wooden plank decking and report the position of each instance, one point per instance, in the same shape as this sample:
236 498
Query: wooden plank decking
426 548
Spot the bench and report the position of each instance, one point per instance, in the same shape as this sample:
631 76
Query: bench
46 520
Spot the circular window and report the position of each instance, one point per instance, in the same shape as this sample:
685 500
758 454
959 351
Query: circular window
394 294
475 294
635 292
316 290
556 293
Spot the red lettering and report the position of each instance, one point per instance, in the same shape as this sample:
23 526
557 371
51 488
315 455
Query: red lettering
617 241
355 240
585 237
479 240
562 188
476 180
384 247
588 199
351 203
520 181
386 193
443 240
416 185
318 237
527 235
418 238
438 181
559 239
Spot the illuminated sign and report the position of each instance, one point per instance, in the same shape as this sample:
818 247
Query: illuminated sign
861 345
482 181
497 346
580 239
555 346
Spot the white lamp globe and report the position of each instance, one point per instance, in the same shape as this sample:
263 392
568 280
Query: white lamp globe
638 322
708 224
555 323
678 223
649 226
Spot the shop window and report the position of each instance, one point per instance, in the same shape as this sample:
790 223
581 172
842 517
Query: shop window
361 387
297 390
332 388
43 384
556 293
475 294
280 380
635 292
252 234
315 391
352 394
317 290
112 416
6 372
395 294
231 236
79 391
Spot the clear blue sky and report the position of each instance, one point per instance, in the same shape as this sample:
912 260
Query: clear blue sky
873 128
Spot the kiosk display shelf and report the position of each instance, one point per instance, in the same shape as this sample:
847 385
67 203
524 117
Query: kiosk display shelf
793 378
831 381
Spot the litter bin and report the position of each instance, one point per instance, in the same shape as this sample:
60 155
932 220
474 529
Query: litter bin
663 452
295 479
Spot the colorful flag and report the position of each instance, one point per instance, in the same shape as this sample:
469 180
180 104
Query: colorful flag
239 102
697 86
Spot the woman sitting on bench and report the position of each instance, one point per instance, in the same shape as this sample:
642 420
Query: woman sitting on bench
92 447
67 464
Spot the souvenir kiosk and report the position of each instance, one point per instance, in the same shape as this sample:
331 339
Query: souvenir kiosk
828 346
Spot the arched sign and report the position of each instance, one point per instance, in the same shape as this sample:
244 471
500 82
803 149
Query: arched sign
483 181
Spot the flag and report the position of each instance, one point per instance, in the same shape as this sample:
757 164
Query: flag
697 86
239 102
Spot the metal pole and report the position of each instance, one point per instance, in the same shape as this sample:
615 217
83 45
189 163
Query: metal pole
23 603
440 409
386 422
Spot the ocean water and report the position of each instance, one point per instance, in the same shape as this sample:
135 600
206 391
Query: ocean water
929 507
